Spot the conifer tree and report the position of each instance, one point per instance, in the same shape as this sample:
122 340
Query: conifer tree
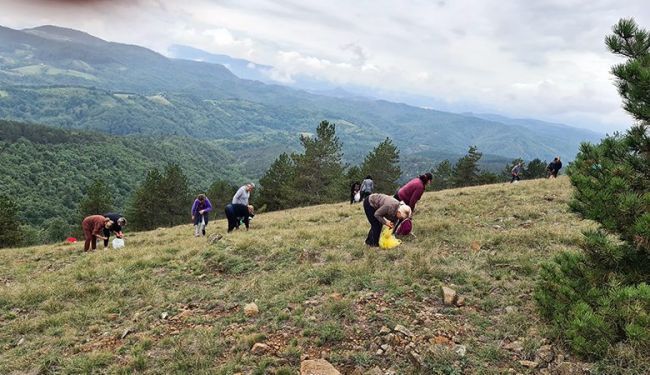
466 171
601 296
319 174
11 234
442 176
98 200
536 168
145 205
174 196
276 191
220 194
382 163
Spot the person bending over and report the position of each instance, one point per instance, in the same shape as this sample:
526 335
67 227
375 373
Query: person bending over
236 211
382 209
93 227
119 222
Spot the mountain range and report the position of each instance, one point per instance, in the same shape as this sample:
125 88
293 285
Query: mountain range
70 79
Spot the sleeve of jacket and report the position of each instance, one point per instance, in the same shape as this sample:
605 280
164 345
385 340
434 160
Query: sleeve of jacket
194 206
98 229
208 205
381 213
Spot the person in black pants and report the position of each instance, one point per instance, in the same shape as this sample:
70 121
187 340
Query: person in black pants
382 209
118 222
354 188
236 211
516 171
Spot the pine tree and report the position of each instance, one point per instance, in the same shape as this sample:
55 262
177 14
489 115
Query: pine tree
535 169
98 200
319 174
354 174
220 195
442 176
382 163
601 296
466 171
276 191
174 196
10 235
145 205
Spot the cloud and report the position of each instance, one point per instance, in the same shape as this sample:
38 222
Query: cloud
541 59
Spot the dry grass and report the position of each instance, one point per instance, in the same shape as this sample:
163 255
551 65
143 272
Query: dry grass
320 291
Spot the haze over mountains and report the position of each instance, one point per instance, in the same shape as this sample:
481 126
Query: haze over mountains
70 79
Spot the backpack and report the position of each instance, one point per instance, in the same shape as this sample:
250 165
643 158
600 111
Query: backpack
404 228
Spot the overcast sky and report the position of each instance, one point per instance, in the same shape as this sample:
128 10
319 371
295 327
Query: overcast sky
542 59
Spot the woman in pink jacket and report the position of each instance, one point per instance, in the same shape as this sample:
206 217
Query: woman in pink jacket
412 191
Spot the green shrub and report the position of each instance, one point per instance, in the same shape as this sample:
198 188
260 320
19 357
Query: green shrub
600 298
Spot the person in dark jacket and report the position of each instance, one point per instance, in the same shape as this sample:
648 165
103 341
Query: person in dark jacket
93 227
354 189
382 209
119 222
237 212
200 209
413 190
554 167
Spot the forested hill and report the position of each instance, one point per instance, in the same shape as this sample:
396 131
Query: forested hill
46 170
70 79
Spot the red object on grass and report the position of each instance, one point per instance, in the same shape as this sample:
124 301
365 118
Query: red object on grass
71 240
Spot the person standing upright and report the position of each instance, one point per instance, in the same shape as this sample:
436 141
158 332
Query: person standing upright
243 194
515 172
554 167
200 209
367 186
354 190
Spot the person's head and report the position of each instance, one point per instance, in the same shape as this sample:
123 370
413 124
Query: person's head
251 209
250 186
557 158
201 197
121 222
426 178
368 177
108 222
404 211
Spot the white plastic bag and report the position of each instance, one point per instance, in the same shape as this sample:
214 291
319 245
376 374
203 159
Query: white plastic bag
357 196
118 243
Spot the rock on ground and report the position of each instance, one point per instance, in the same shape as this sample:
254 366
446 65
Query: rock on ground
449 295
251 309
317 367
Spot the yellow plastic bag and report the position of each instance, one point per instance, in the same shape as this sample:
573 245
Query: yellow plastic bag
387 240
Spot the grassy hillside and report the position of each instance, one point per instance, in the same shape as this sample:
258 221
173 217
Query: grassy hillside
172 303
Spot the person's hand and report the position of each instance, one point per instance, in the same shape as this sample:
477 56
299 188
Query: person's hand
192 217
390 224
119 235
201 211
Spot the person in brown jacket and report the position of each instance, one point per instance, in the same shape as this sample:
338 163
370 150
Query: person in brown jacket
93 227
382 209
